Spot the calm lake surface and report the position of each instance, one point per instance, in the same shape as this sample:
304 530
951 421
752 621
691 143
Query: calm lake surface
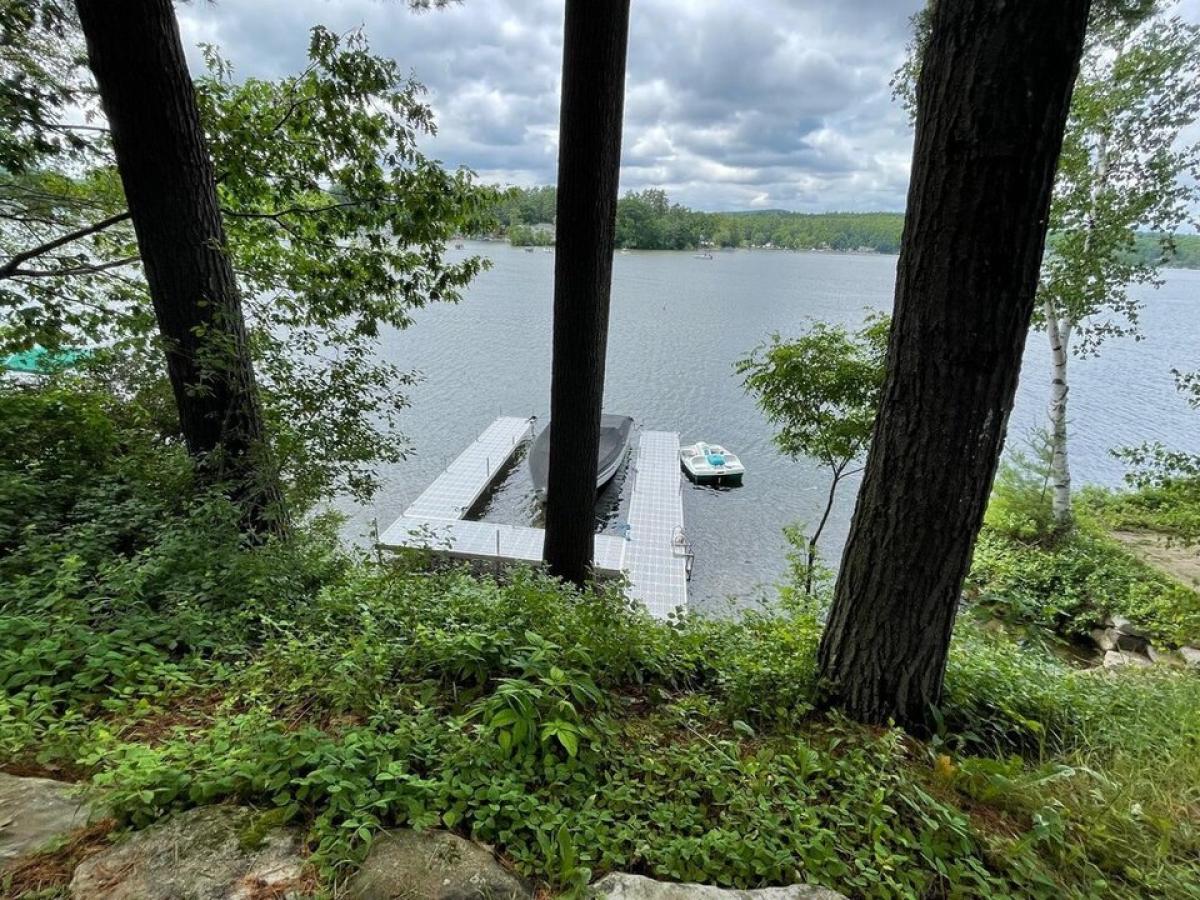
677 325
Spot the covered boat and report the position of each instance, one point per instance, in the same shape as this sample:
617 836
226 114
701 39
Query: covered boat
615 433
711 464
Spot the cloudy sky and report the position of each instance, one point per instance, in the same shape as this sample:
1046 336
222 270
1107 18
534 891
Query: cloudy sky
729 105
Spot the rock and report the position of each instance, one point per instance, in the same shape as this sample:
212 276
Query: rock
619 886
1122 625
1132 643
1151 654
432 865
196 855
1115 659
1105 638
1191 656
34 811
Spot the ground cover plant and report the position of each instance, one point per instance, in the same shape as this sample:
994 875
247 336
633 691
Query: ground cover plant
150 649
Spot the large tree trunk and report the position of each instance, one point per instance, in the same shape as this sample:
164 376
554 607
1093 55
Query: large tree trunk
136 55
589 158
1059 333
993 95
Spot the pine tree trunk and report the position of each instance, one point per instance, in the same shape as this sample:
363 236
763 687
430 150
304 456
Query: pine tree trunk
1059 332
589 158
137 58
993 95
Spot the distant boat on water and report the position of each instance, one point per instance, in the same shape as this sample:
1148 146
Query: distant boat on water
703 256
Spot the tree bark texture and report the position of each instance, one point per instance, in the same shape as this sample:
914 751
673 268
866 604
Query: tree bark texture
589 158
137 58
993 96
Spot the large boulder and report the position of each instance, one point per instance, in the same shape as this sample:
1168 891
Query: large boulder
1191 656
433 865
1105 638
209 853
34 811
619 886
1117 659
1125 635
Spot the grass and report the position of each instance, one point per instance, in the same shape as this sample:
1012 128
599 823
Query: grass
149 650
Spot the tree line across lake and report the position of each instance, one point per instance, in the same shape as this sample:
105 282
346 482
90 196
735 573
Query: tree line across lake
648 220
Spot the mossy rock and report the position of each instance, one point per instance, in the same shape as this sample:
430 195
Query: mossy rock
200 854
433 865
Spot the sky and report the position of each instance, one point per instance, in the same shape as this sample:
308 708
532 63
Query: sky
757 104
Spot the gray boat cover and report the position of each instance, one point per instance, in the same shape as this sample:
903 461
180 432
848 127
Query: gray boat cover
615 434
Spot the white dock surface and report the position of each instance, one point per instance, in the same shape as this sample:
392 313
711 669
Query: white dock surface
657 566
492 540
458 488
651 553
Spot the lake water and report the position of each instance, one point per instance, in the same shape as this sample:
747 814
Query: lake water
677 325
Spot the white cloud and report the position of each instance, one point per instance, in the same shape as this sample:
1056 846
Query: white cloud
770 103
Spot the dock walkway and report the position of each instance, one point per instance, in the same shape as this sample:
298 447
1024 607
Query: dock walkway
456 490
652 553
657 560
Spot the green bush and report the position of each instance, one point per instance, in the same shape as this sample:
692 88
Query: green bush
1172 509
1071 585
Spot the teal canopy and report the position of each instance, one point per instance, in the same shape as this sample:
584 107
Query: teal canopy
40 361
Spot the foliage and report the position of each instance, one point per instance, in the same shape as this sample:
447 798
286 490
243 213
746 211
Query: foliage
157 653
1030 571
1122 168
1019 508
528 236
821 391
37 80
1073 584
648 220
336 224
1171 509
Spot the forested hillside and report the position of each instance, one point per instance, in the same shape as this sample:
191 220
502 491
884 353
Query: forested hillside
648 220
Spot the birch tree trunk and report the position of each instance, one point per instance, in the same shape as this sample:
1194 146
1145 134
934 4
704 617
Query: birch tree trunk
1059 331
992 101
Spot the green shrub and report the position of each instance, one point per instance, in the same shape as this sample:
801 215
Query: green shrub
1071 585
1020 505
1172 509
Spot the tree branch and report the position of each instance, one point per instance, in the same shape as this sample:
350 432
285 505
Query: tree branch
10 268
292 210
90 269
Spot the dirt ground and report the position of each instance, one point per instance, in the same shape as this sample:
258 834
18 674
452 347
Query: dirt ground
1180 562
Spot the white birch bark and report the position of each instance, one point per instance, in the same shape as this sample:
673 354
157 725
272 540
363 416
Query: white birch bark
1059 332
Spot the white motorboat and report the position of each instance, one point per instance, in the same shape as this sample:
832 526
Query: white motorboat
711 464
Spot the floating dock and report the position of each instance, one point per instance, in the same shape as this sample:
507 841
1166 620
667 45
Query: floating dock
653 553
459 487
659 557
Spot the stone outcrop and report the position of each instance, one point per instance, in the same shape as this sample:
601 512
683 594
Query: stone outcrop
619 886
433 865
201 854
1116 659
35 811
